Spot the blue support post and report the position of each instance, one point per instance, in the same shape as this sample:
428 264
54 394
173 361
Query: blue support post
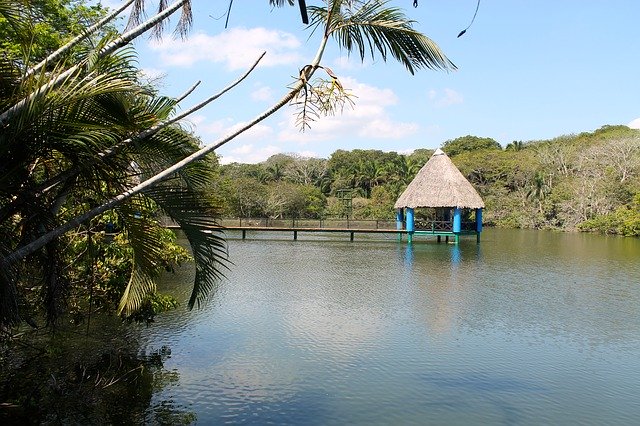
410 224
410 220
478 224
457 220
399 219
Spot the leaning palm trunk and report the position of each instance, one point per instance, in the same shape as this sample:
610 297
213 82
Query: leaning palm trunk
76 40
71 173
111 47
360 25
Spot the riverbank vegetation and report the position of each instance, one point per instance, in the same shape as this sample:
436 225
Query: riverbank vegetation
92 157
587 182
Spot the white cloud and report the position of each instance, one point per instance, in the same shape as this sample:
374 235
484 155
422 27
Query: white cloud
368 118
248 147
206 129
249 153
236 48
635 124
112 4
308 154
391 129
262 94
445 97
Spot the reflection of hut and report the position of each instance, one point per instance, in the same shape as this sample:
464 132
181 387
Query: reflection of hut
449 205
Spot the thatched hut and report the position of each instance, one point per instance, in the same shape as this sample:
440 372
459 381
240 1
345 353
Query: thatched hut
450 200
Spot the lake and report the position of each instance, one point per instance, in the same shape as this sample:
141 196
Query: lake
528 327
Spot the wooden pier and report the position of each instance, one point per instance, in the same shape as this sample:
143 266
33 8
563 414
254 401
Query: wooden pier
350 227
296 230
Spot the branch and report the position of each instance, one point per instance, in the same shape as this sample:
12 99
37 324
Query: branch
70 173
188 92
108 49
35 245
86 33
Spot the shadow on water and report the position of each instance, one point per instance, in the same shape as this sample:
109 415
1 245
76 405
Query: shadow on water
71 377
525 326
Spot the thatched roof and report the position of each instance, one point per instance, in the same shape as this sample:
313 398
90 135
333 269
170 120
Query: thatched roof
439 183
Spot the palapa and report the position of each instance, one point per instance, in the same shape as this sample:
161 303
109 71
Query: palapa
439 183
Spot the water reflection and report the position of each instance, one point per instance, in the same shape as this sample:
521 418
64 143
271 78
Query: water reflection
525 327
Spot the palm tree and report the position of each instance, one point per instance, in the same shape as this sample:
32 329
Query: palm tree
59 158
539 190
94 119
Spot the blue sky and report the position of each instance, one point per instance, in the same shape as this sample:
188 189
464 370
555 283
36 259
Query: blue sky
528 70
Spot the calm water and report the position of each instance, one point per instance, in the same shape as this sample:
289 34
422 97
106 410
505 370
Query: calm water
526 328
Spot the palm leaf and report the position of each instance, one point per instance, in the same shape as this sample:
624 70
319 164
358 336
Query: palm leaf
139 286
195 212
371 26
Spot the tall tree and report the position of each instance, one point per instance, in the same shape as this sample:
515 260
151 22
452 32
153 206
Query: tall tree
367 27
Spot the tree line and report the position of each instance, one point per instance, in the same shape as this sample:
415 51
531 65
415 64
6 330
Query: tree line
589 182
92 156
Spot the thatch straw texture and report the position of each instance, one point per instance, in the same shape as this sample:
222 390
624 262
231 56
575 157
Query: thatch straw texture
439 183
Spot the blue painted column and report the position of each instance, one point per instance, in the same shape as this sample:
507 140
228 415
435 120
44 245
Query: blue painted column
457 220
410 224
399 220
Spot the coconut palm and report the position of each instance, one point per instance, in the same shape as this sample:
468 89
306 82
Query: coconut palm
63 153
94 119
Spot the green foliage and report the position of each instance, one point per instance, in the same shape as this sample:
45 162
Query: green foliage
552 184
468 143
102 260
381 204
624 220
152 305
45 25
80 142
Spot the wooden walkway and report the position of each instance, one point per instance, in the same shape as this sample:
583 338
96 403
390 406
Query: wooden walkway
296 230
245 229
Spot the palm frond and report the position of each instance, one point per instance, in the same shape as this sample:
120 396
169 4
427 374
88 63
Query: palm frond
196 214
140 285
280 3
373 27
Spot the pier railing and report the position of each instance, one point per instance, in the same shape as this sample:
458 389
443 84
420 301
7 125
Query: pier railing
442 226
261 222
346 224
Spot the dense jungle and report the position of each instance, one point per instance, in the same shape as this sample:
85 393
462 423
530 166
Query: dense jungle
81 128
578 182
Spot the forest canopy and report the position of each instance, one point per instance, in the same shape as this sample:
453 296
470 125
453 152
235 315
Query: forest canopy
588 181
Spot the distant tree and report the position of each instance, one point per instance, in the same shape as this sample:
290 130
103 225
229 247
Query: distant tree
357 26
515 146
286 199
306 171
420 156
469 143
